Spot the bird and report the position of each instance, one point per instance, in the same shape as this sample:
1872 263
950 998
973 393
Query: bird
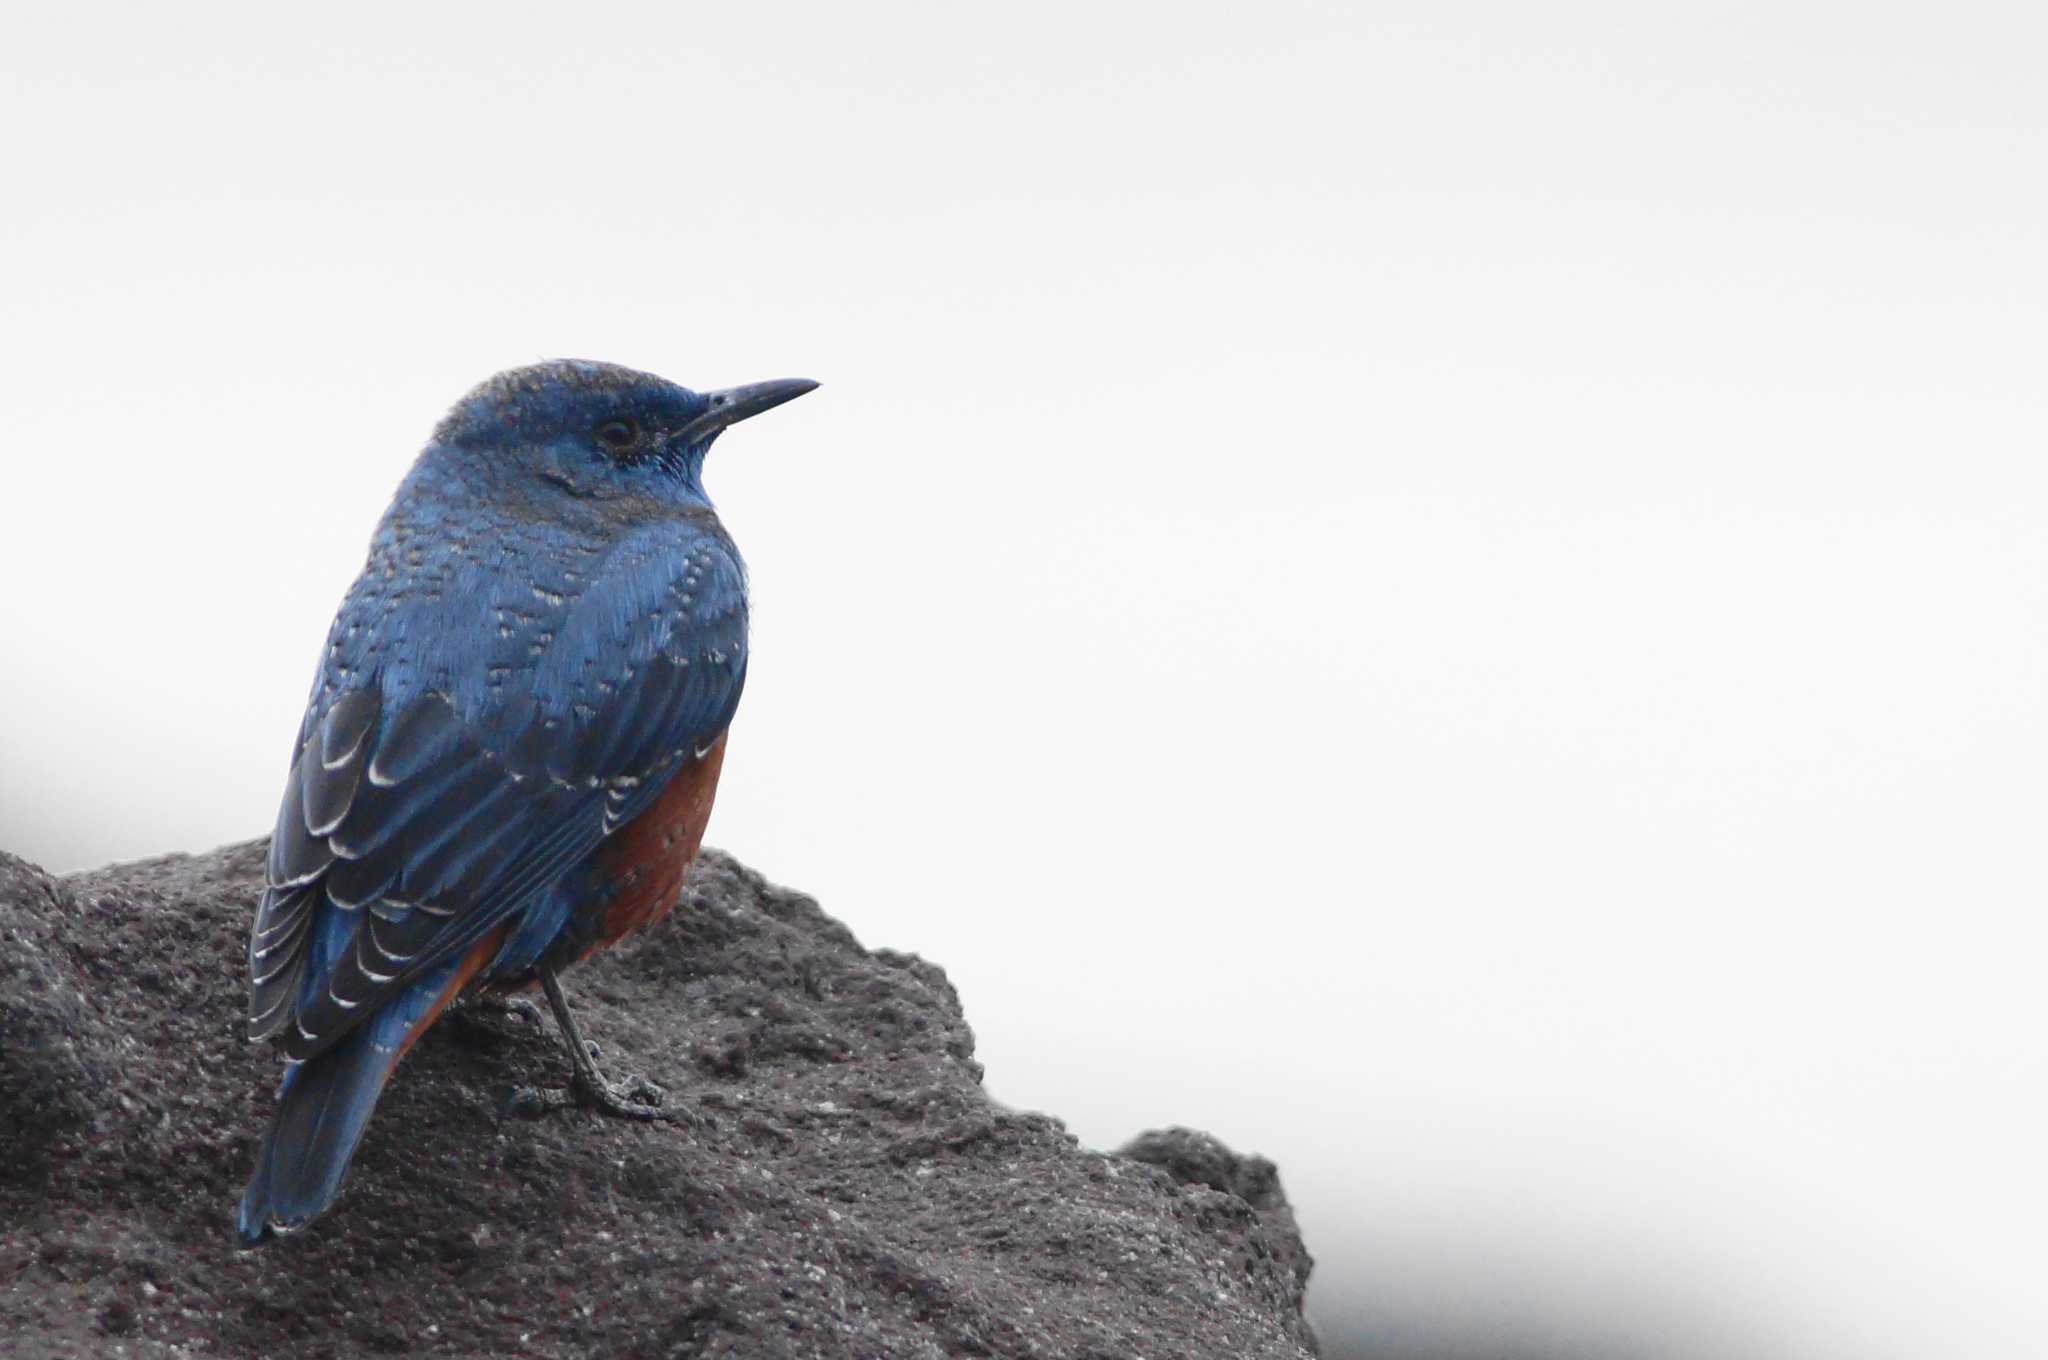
510 750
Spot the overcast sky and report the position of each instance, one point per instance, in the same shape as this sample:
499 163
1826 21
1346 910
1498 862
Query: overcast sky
1455 593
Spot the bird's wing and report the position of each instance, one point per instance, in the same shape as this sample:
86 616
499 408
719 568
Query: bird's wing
412 824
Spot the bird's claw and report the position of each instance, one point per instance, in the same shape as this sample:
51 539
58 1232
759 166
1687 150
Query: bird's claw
517 1007
526 1009
476 1019
636 1098
531 1102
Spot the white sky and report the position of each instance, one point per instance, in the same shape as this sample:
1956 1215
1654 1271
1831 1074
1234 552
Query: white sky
1455 593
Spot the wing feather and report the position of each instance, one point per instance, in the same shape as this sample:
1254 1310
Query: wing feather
411 825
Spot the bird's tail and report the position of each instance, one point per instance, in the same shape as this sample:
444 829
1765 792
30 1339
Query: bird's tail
325 1103
322 1109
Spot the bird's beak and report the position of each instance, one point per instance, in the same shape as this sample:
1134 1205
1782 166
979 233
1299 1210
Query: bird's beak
734 404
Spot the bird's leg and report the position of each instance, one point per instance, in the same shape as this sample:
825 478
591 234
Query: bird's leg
634 1098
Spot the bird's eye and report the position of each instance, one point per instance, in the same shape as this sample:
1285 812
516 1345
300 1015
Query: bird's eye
618 434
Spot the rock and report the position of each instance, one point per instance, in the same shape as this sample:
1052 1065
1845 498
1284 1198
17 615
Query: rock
851 1193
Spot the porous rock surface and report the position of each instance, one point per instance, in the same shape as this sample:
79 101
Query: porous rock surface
851 1191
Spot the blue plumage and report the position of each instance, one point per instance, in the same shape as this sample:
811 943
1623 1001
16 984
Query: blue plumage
549 636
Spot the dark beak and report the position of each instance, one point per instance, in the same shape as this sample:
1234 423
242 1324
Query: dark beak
731 405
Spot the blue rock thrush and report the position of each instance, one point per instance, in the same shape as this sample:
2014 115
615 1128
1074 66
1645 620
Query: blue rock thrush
511 747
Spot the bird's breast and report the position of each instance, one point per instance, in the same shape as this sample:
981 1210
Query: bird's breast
642 865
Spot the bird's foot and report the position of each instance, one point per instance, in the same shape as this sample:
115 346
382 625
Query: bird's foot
519 1007
476 1018
635 1097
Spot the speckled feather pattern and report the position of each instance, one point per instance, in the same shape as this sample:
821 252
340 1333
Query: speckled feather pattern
539 664
548 629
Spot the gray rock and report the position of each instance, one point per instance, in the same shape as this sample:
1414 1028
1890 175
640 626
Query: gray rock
852 1193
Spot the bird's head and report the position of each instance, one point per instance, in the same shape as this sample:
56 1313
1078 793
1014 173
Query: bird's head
598 431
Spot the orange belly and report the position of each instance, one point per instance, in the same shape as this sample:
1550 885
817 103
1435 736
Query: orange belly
480 953
645 860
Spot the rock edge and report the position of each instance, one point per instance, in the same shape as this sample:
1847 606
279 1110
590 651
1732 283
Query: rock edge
853 1193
